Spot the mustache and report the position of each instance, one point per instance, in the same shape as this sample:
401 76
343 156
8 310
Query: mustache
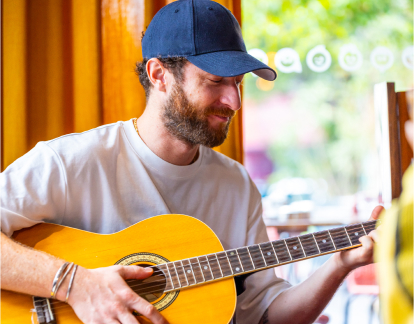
223 112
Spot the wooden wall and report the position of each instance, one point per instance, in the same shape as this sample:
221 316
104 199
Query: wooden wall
68 66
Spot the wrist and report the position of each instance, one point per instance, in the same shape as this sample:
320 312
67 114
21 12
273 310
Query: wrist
67 286
339 267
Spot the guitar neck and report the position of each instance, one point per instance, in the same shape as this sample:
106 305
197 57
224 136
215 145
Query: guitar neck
235 262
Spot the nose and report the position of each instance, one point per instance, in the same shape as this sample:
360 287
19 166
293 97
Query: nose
231 96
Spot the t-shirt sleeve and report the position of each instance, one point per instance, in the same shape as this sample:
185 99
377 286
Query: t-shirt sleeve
33 190
261 287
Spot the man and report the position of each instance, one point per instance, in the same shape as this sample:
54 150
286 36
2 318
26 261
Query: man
111 177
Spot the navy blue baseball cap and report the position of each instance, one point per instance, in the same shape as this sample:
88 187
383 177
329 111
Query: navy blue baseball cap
207 34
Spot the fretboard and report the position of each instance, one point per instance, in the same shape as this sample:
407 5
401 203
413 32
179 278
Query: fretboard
211 267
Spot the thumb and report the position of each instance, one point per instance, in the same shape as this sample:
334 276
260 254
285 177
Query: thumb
135 272
376 212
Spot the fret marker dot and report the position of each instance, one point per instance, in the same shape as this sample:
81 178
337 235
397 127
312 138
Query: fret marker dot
356 233
237 269
231 253
268 253
323 241
205 267
188 271
295 247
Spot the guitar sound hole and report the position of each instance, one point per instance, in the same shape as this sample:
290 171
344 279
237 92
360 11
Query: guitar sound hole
151 288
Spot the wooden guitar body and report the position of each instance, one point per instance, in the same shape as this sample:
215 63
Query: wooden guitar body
168 237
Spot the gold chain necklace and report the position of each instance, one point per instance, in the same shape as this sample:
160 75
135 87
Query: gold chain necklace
134 121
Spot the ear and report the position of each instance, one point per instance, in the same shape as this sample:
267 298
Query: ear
157 74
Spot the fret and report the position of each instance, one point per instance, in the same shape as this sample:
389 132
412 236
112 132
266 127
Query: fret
274 251
340 238
355 232
199 276
234 261
214 266
250 257
281 250
188 270
183 270
268 253
168 281
324 241
205 268
316 243
301 246
218 264
224 264
288 250
309 245
332 240
364 229
260 249
181 275
257 257
295 250
369 226
245 259
241 264
173 274
178 277
350 242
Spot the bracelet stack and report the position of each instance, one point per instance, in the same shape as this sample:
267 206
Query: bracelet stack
60 277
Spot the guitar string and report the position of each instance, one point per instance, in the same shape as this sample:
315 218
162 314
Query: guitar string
178 277
150 286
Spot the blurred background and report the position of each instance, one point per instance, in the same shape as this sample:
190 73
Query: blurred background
308 140
309 137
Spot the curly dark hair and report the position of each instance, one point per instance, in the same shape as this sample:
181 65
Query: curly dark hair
173 64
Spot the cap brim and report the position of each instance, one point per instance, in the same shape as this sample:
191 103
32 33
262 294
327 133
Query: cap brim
232 63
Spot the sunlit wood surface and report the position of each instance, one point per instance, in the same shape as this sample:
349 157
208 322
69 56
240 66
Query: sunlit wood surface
68 66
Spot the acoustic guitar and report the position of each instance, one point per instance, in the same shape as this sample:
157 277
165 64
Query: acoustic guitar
193 276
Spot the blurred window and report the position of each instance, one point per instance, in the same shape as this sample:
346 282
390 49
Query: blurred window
309 137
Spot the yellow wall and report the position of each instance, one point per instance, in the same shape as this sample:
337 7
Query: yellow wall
67 66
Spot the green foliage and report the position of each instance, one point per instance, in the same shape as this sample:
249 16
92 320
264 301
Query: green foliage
341 102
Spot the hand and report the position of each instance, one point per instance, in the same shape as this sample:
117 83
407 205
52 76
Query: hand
351 259
102 296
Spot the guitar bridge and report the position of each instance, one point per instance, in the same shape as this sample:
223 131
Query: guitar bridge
43 310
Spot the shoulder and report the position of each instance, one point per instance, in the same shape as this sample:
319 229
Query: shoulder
95 139
229 171
92 145
224 163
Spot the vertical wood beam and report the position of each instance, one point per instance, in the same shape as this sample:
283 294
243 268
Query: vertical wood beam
122 24
54 72
13 94
86 64
405 149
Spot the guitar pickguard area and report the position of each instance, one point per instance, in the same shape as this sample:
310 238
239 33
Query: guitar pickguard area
146 259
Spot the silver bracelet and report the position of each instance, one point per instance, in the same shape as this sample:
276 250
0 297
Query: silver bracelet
56 279
70 266
70 282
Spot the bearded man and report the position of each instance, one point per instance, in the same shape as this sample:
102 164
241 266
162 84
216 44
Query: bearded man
116 175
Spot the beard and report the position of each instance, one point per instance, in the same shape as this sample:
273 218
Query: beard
189 122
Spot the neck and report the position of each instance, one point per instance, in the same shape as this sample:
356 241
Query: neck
154 134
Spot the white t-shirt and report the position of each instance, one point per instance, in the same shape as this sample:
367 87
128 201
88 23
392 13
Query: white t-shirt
107 179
